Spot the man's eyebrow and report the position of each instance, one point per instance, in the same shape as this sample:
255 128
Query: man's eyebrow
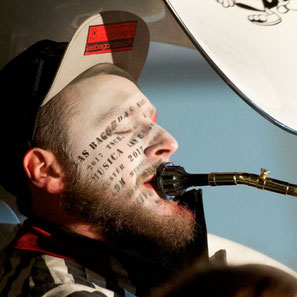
112 113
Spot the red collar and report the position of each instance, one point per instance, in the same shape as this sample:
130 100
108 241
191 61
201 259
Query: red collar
29 241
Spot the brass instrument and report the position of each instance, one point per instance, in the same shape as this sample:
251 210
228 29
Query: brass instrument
173 180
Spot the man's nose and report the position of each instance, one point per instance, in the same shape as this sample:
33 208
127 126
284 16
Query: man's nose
163 145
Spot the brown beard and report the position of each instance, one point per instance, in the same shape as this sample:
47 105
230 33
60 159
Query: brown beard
121 217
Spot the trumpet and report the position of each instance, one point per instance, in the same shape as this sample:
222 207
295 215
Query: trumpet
172 180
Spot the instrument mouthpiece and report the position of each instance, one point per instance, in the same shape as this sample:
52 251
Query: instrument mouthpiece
173 180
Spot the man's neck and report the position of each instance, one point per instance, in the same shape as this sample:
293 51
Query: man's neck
84 229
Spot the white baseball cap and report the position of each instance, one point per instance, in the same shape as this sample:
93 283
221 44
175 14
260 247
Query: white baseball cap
116 37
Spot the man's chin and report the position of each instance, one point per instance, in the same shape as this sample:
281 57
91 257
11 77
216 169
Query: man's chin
171 208
169 224
163 206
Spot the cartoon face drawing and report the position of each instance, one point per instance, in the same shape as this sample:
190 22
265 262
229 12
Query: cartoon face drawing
268 12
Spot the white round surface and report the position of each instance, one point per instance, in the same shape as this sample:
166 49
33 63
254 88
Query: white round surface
253 47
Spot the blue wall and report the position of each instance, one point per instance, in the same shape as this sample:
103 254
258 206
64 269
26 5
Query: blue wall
218 131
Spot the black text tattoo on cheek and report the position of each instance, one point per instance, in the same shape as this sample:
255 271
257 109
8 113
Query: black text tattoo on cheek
102 137
101 164
117 183
135 154
105 165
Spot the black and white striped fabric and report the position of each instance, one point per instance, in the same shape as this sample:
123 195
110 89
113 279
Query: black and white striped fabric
36 275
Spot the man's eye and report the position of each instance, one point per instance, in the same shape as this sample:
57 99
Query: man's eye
123 132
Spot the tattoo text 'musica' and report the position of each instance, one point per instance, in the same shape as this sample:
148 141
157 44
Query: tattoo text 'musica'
103 136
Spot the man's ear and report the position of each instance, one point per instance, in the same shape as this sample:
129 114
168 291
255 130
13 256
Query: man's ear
44 171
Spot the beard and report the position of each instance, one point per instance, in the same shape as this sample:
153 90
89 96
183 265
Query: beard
122 219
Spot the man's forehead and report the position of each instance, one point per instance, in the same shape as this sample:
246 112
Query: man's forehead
138 102
103 69
104 95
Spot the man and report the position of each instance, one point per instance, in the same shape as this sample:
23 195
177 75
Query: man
89 146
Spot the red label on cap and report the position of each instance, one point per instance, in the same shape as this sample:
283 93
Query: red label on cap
110 38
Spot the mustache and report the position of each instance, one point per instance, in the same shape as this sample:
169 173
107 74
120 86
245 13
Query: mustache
147 172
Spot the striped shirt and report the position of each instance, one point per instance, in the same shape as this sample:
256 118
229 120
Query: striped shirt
31 274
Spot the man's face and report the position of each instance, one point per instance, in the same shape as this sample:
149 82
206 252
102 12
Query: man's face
117 146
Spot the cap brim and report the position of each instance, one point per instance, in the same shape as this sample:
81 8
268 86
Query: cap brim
116 37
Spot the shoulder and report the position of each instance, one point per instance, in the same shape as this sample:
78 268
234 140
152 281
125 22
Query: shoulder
52 276
30 274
